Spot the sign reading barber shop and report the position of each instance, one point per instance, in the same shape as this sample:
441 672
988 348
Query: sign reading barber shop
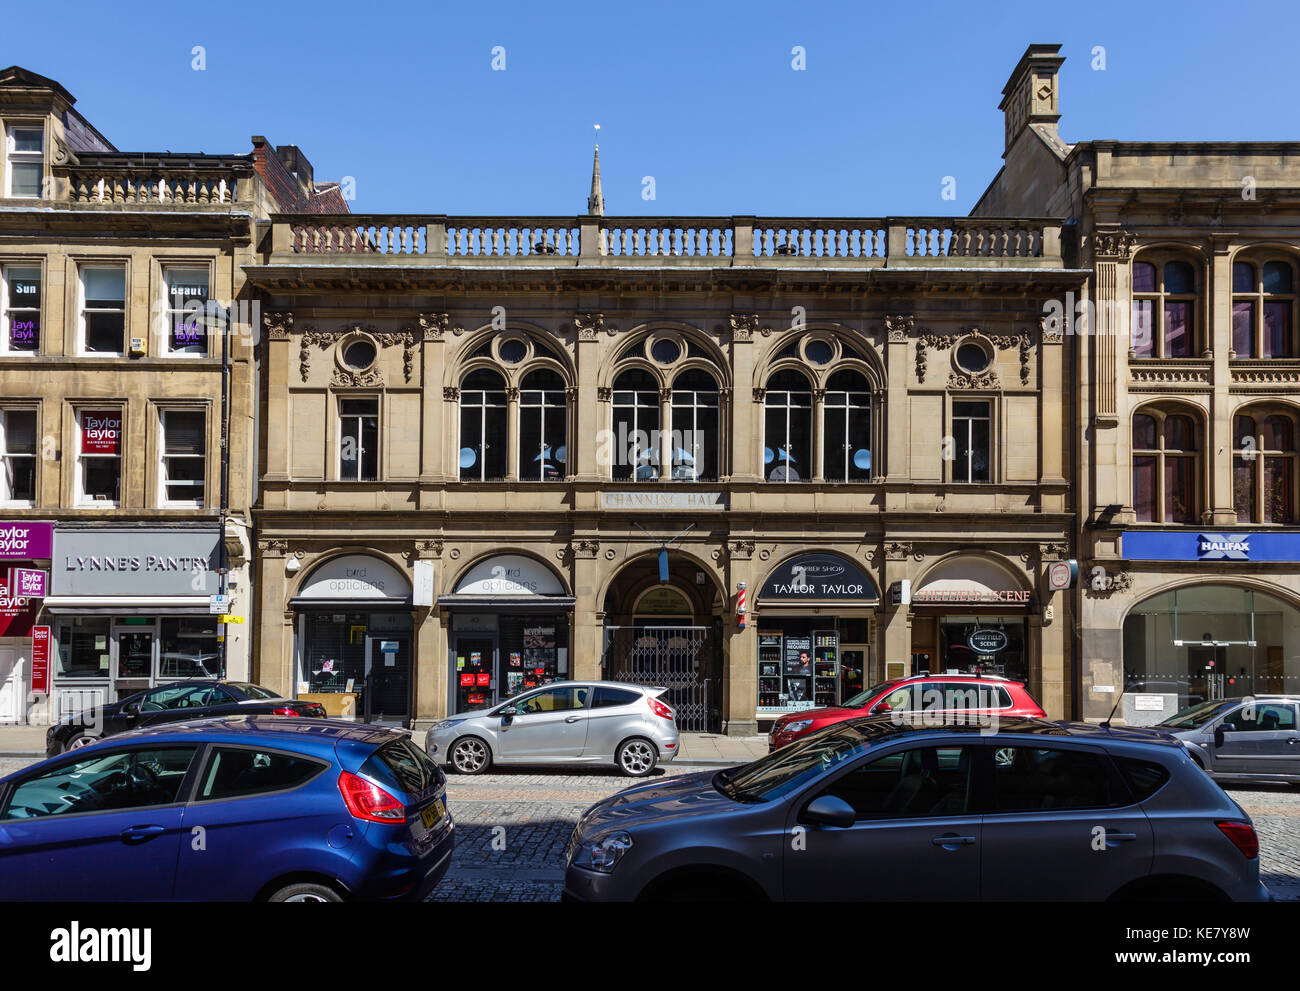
814 577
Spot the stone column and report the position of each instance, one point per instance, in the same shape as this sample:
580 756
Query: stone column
1219 499
430 667
433 330
746 406
1111 342
512 433
1053 392
273 662
897 413
740 647
818 435
278 327
895 640
587 645
590 414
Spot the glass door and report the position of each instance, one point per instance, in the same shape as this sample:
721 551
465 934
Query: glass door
387 695
473 672
135 646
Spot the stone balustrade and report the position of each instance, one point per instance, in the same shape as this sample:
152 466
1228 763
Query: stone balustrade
205 184
711 241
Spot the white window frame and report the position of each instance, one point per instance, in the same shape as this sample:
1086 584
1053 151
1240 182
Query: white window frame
344 417
970 421
5 309
79 495
168 310
164 457
82 268
13 157
6 496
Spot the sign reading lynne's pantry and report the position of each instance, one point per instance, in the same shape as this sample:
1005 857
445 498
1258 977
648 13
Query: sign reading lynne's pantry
128 561
101 431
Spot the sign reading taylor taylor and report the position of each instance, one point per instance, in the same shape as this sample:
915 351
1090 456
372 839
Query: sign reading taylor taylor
818 577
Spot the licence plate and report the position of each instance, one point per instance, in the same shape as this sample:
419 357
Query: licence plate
432 813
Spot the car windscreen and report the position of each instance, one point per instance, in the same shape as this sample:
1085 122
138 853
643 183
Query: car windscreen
786 769
862 698
253 691
402 765
1198 715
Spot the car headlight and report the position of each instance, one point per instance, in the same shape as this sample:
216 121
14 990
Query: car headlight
798 726
445 724
603 854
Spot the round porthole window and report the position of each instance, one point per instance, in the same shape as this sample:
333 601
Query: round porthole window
819 352
513 350
359 354
665 350
973 357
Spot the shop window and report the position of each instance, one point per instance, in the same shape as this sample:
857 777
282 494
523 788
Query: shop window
1165 299
18 449
1166 467
787 427
99 457
189 648
184 457
1211 641
483 427
543 426
635 454
20 309
1264 468
971 447
1263 309
695 427
965 646
846 437
83 647
25 161
103 309
187 292
359 439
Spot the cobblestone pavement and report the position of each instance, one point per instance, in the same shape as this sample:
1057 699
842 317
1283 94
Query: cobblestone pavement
513 826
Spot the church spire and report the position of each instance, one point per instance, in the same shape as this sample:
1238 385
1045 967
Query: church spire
596 201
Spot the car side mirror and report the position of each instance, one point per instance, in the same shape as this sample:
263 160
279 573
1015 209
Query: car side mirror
508 713
131 709
829 811
880 707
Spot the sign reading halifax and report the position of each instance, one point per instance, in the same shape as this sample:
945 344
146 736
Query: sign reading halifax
1214 546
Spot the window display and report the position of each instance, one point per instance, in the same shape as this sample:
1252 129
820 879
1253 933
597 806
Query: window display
803 663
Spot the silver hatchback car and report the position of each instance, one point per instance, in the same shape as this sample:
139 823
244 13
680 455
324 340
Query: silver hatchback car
1243 739
568 722
875 809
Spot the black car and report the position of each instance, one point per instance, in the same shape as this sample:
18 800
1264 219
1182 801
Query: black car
172 702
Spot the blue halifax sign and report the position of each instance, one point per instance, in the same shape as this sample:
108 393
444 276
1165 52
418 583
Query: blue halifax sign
1205 545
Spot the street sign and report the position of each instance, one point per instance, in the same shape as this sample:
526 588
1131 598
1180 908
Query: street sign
1062 574
218 604
227 618
987 641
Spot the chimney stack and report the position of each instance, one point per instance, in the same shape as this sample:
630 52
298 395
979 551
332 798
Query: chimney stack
1031 96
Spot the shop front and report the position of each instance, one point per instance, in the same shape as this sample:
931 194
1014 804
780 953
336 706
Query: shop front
130 608
815 622
355 640
508 620
970 615
1216 619
25 549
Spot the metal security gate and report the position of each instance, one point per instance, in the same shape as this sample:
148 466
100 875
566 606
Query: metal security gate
683 659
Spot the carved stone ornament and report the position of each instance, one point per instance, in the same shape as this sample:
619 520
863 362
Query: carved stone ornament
434 326
344 379
666 395
1022 342
277 325
429 548
1055 551
926 342
898 551
741 550
406 340
585 550
274 547
760 395
1113 244
312 338
743 326
450 393
589 325
1103 583
604 393
62 154
977 380
899 328
512 393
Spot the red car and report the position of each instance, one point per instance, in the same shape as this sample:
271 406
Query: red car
938 693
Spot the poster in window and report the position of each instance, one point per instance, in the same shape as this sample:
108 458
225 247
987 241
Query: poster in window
514 681
101 431
466 680
798 655
516 659
483 680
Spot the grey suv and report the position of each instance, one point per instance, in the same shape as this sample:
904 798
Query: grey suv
877 809
568 722
1246 739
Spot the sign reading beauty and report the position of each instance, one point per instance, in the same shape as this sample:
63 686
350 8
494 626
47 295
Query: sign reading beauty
26 541
818 577
101 431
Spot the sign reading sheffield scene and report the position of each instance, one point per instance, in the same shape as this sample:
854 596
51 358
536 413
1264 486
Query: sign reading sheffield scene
818 577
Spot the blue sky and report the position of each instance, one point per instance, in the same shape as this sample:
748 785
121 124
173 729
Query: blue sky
702 95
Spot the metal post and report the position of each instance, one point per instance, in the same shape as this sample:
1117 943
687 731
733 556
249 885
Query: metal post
223 570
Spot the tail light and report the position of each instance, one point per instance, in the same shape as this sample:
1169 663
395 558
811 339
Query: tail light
1243 837
659 709
284 712
366 800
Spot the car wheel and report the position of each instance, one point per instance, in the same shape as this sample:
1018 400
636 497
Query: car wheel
636 757
79 739
306 893
470 755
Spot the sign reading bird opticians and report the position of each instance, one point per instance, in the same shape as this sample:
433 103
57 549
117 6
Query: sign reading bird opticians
818 577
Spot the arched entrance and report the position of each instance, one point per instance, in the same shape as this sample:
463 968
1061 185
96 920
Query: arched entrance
668 634
355 639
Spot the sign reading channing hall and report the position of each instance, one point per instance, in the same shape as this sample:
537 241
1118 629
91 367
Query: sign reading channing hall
712 501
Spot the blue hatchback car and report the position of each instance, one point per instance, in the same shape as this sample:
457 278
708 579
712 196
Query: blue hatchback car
253 808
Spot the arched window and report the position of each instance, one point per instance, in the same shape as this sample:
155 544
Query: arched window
1166 458
1264 468
846 427
787 428
543 427
695 427
482 426
1164 307
1263 309
635 453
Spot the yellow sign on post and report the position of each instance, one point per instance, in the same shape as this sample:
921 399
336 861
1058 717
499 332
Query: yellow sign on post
227 618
